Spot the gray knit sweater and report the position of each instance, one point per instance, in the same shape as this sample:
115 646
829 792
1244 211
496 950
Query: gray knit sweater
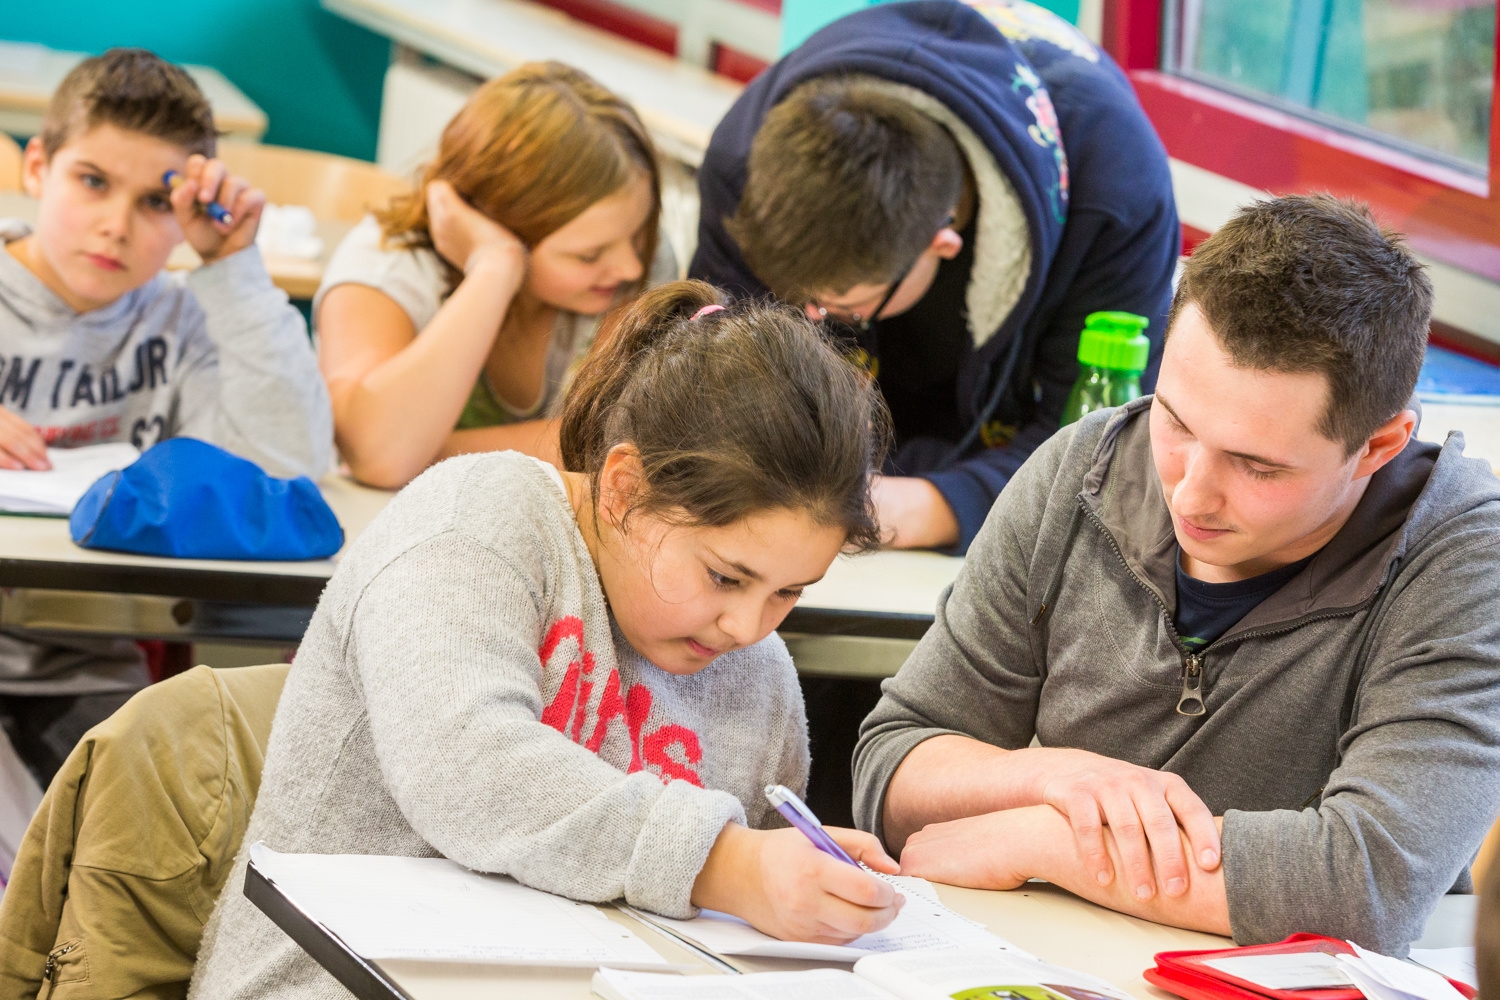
463 691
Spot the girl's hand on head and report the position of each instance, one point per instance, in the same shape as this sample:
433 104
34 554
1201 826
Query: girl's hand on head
467 238
21 445
204 181
784 886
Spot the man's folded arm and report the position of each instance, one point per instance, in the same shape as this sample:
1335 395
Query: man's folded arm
974 672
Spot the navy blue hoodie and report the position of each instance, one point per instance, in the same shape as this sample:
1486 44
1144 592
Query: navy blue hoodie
1098 204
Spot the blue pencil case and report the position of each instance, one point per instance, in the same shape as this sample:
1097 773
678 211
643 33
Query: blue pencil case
192 500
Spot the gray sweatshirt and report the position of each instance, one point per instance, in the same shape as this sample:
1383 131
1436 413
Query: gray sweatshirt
218 354
462 691
1352 734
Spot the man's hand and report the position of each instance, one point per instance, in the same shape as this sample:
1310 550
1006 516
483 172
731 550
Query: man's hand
21 445
784 886
467 238
1143 809
1002 850
913 514
203 181
953 777
994 851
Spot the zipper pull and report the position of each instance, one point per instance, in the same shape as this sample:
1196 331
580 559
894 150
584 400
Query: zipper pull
50 969
1190 702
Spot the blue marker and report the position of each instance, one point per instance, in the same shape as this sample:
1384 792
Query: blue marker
172 179
796 812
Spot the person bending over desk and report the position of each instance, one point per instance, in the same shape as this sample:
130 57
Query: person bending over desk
1251 622
956 189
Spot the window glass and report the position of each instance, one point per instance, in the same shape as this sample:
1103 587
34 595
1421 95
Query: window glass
1416 73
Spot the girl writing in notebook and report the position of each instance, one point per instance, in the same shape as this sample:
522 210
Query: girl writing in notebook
449 322
572 678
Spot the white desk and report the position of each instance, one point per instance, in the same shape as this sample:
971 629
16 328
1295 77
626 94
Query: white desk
1052 924
1480 423
678 102
62 587
299 277
859 606
30 73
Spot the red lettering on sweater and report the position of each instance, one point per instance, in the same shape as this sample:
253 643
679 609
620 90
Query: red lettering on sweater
569 710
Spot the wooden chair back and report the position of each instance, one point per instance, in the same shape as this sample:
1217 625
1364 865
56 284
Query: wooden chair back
1489 855
334 187
10 163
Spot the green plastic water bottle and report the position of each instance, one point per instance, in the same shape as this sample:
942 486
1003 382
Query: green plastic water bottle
1112 354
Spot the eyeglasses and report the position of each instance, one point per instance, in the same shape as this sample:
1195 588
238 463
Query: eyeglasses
862 324
855 320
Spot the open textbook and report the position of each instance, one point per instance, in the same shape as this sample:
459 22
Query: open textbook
436 909
977 974
55 492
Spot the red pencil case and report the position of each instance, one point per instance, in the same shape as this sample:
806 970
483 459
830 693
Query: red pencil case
1185 974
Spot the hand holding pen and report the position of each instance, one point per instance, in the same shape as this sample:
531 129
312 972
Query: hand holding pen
219 213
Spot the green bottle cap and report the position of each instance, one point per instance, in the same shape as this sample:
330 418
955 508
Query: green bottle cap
1114 340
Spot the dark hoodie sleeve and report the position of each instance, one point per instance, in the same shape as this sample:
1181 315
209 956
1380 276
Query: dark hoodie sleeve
1126 265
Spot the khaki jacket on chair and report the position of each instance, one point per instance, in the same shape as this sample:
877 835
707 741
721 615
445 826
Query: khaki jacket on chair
120 867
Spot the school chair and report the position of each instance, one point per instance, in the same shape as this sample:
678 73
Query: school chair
333 187
1489 855
10 164
121 866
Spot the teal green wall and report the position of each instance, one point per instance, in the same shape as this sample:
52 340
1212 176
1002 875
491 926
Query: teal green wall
316 76
800 18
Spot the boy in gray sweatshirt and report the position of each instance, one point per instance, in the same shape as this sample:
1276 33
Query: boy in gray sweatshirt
1251 622
98 345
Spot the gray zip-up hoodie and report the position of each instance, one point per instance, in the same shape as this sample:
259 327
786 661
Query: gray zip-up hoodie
1352 734
218 354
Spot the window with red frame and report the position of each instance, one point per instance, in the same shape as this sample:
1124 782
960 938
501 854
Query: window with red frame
1388 101
629 22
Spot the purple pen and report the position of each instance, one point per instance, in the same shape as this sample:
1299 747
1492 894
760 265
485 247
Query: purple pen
796 812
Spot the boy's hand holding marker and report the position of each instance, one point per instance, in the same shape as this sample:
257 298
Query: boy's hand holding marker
219 213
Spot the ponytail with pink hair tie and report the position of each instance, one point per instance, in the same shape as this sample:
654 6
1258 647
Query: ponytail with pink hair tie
712 307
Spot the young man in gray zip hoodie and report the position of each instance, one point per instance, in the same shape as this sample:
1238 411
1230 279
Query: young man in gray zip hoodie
1251 622
98 345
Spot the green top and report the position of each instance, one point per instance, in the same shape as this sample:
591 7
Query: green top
1114 340
484 408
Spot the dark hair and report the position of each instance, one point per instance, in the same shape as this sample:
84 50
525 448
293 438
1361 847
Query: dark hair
743 410
1487 927
134 90
846 184
1311 283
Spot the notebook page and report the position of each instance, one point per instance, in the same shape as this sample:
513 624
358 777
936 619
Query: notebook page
433 908
59 489
922 923
1455 963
